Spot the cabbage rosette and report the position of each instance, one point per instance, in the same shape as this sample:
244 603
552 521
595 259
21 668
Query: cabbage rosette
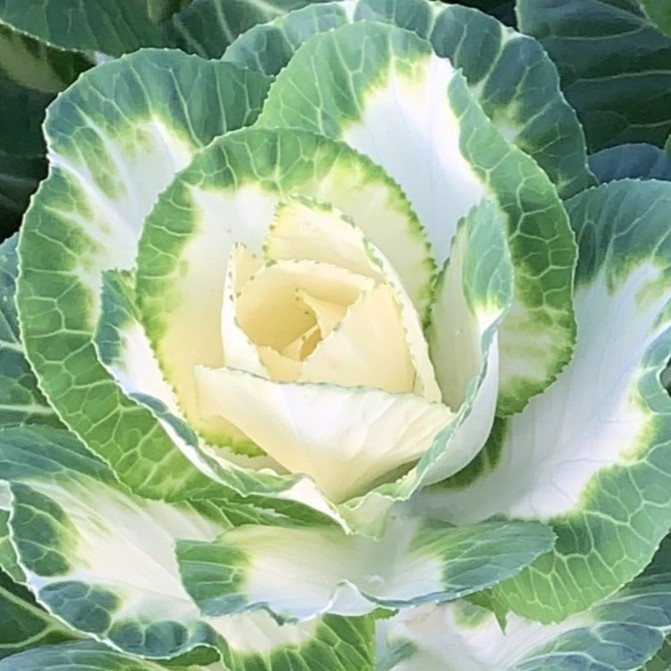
328 330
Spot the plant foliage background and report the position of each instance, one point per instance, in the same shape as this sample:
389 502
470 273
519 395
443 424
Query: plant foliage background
613 59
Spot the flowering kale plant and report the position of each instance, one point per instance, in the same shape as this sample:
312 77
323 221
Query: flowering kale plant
332 354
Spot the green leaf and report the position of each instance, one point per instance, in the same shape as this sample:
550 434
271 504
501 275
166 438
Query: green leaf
207 27
415 561
91 25
19 179
109 163
34 65
636 161
162 10
25 624
473 294
662 660
23 113
615 66
366 82
658 12
509 74
84 656
22 163
21 401
589 455
620 634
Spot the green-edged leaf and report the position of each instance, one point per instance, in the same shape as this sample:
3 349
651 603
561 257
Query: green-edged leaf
24 623
125 351
636 161
473 293
34 65
590 454
620 634
93 555
257 643
509 74
367 82
84 656
21 401
207 27
246 174
268 47
414 562
94 25
615 66
109 163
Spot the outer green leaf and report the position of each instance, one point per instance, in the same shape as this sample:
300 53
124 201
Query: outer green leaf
207 27
22 165
662 660
638 161
162 10
25 624
415 561
658 12
21 401
509 74
366 82
590 454
33 64
109 163
23 114
619 634
19 178
85 656
78 25
614 64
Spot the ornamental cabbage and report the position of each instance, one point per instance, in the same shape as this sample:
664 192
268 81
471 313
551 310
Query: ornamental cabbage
341 361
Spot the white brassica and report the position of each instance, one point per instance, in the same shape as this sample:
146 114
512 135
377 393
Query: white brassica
347 365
